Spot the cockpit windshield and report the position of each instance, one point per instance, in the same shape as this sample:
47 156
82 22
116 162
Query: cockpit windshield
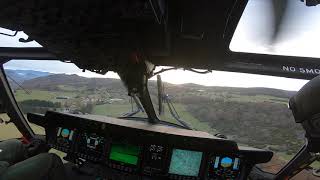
250 109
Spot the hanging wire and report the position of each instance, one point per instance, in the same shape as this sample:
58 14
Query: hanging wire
185 69
199 72
163 70
131 102
175 114
27 92
172 109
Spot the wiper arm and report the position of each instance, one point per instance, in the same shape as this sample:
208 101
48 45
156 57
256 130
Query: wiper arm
175 114
138 103
139 107
132 113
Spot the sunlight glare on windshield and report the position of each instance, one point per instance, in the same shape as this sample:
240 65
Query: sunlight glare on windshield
230 79
298 31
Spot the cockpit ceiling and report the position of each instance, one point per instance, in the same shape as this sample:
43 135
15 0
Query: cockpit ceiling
102 35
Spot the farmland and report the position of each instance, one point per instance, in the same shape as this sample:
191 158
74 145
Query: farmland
256 117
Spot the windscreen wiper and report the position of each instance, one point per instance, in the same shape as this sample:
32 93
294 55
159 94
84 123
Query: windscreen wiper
138 105
175 114
165 98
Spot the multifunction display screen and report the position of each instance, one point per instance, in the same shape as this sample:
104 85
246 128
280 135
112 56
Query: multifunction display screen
125 153
92 145
185 163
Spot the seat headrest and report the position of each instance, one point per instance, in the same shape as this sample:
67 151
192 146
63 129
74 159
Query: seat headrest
306 103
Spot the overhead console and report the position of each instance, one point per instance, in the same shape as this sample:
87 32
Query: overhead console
141 149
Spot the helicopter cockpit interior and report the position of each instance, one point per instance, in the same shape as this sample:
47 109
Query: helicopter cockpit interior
132 39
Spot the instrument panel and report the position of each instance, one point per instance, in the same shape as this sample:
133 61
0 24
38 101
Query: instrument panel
141 149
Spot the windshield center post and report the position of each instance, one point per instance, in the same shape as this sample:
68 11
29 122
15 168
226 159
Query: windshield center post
135 78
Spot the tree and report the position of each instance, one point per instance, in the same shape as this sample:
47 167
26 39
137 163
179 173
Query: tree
38 106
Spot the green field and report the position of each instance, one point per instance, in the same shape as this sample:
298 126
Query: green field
113 110
116 110
187 117
21 95
258 98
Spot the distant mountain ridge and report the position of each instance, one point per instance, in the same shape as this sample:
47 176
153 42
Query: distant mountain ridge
23 75
17 77
54 80
46 82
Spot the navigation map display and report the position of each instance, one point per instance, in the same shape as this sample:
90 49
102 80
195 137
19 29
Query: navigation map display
185 163
125 153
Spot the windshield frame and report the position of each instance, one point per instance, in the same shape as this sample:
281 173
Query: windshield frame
24 126
12 107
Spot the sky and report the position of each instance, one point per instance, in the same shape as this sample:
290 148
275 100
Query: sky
301 39
216 78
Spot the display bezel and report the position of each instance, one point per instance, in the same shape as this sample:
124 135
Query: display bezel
239 156
202 162
95 158
135 167
54 141
166 160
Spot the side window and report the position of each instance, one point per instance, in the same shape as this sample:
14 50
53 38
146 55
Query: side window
28 101
8 131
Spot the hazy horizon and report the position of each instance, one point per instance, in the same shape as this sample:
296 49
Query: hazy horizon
216 78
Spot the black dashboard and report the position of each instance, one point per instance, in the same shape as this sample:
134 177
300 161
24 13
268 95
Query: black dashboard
144 150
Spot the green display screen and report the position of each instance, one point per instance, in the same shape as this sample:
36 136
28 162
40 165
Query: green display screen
125 153
185 163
